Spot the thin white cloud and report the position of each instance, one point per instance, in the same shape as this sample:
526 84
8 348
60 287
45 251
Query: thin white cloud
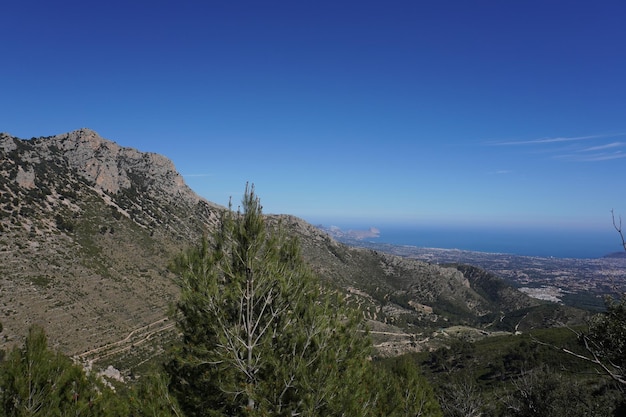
571 148
603 147
604 156
548 140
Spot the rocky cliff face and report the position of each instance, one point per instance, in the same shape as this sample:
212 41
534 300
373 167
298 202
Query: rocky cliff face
142 186
108 166
112 168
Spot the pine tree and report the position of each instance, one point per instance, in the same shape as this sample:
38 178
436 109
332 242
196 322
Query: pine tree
35 380
261 336
150 397
400 389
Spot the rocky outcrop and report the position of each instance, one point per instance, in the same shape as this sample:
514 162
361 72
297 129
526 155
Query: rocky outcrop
7 142
112 167
25 178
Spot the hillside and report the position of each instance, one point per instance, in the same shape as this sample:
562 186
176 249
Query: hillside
88 227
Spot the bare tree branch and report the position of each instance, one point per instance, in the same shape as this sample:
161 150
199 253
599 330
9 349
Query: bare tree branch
617 224
616 374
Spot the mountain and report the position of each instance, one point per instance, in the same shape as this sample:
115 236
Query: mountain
88 227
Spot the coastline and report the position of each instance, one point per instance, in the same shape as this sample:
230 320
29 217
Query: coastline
546 243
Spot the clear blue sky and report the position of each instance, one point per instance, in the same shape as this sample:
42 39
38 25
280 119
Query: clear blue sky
451 112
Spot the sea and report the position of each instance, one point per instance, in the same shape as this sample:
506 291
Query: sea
557 243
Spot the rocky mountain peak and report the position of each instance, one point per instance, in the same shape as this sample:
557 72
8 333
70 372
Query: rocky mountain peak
112 167
144 187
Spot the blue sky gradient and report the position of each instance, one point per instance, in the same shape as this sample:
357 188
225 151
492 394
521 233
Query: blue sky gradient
504 113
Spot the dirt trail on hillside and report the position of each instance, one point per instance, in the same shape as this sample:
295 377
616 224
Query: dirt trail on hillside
135 337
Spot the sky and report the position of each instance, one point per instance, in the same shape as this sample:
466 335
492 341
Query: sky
505 113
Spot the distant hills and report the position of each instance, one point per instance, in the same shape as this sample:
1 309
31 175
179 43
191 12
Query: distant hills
88 227
350 234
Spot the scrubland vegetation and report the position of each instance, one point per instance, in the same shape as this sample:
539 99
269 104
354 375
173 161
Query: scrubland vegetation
260 335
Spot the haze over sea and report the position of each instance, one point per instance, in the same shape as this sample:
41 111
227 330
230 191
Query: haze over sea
558 243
